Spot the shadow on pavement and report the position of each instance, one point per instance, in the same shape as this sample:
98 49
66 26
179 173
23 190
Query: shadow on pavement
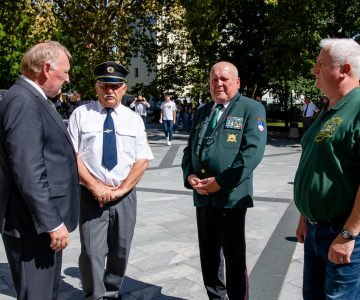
131 289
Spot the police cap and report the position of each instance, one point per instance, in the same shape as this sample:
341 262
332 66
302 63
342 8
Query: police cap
110 72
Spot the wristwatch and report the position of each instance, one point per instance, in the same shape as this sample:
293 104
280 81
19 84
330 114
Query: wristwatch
347 235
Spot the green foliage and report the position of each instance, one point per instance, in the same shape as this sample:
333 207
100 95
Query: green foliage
232 31
273 43
13 26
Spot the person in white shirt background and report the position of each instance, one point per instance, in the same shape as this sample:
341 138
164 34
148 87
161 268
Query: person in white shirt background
168 117
309 112
140 105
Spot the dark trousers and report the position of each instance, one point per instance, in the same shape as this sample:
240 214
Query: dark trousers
221 235
35 267
307 121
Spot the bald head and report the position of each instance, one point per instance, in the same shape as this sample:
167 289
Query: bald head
224 81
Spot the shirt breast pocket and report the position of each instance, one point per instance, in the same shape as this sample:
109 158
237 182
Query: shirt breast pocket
126 141
91 137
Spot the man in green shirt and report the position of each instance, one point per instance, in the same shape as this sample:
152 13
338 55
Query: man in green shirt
226 143
326 187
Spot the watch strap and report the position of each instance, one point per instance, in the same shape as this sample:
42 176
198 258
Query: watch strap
347 235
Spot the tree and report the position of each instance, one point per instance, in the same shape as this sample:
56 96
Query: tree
296 28
235 31
94 32
21 26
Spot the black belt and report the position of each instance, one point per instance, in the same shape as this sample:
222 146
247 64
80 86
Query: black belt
338 220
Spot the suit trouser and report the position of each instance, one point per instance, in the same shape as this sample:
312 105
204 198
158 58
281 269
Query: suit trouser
307 121
221 235
35 267
105 234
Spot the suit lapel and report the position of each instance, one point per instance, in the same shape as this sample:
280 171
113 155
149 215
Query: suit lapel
47 106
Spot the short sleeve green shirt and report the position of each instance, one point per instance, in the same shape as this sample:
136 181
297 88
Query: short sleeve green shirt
328 174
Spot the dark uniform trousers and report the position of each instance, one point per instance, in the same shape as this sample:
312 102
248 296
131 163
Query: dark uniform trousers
106 235
221 233
29 256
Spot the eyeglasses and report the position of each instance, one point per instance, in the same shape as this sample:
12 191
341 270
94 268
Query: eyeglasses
112 86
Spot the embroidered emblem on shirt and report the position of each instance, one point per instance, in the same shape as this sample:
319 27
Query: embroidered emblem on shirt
231 138
328 129
261 124
234 122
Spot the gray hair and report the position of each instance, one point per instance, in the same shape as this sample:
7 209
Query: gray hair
344 51
35 57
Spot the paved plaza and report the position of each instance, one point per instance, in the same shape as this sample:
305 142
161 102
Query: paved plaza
164 261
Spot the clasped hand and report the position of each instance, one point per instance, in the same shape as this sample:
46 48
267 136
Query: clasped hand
204 186
104 193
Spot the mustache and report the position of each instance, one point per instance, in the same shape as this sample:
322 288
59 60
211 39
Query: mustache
109 96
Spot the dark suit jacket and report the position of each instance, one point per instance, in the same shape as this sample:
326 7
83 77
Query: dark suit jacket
234 149
39 184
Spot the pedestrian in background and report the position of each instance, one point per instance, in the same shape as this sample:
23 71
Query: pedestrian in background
226 143
39 180
177 125
309 111
113 153
326 186
168 117
140 105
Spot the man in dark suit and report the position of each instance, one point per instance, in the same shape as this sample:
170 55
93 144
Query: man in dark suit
38 174
226 143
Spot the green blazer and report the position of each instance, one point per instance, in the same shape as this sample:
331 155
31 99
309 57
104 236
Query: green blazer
232 152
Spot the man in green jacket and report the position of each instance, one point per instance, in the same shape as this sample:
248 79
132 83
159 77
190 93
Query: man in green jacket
226 143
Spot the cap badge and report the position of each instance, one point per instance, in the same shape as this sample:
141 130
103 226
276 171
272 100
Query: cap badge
110 69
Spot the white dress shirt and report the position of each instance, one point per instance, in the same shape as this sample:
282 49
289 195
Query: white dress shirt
221 111
311 109
86 132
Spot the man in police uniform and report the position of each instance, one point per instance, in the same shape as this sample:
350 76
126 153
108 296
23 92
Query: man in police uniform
113 153
226 143
326 186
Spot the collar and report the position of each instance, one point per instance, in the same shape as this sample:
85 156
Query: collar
34 85
102 108
226 104
346 98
